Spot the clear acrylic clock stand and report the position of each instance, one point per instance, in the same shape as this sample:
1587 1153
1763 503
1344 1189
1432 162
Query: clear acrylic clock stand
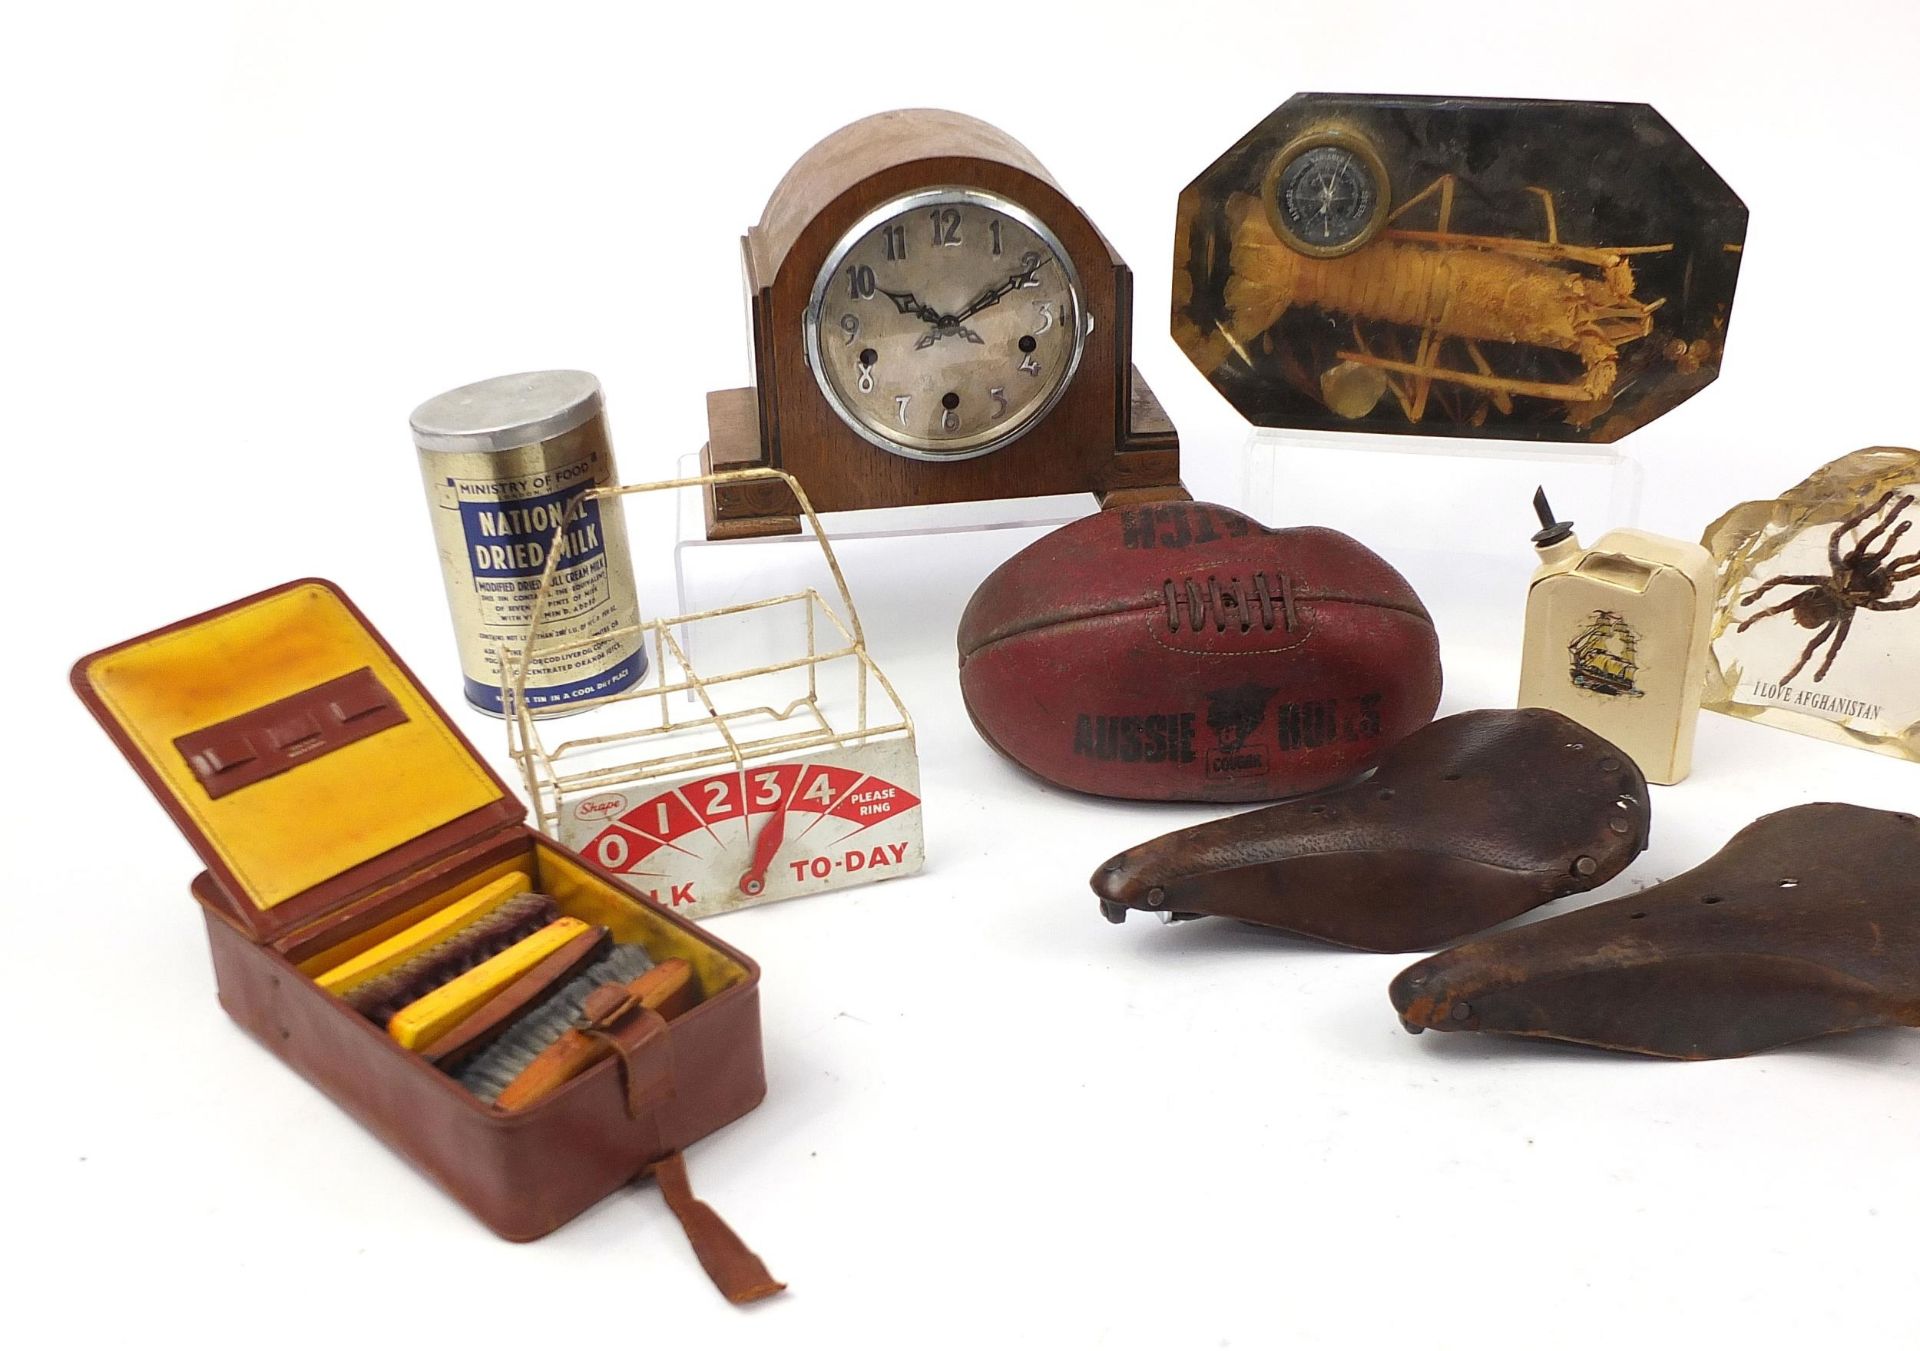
1455 517
709 573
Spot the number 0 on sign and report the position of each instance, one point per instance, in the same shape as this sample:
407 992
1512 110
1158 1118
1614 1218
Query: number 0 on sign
718 841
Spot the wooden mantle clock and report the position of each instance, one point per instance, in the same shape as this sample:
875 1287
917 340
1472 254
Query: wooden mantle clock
933 321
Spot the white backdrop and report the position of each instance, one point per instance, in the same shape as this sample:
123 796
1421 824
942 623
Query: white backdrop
244 241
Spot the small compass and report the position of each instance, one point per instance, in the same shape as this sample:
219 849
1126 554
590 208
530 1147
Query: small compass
1326 192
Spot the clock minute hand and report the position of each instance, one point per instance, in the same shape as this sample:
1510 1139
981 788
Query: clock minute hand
994 296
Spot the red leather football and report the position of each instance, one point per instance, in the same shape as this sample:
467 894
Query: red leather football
1184 652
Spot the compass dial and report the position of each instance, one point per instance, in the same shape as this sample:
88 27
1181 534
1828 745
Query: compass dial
1326 193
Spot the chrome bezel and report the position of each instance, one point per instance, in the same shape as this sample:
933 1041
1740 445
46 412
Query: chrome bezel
926 448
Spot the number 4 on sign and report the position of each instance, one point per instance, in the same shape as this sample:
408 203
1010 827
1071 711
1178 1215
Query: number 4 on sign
820 791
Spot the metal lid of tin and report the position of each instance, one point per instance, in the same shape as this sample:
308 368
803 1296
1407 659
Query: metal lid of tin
507 411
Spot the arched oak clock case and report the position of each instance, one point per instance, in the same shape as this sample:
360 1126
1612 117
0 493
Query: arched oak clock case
1104 432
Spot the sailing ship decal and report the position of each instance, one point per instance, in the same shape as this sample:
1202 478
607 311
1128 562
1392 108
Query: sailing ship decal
1603 657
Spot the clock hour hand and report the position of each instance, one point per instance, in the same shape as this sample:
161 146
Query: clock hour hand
908 303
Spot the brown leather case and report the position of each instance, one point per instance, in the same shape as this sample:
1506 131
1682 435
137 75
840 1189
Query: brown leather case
372 810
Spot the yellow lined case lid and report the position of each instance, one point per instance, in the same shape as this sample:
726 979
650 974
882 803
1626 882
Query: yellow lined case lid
294 749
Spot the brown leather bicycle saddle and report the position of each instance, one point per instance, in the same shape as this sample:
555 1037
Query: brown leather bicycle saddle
1807 922
1469 821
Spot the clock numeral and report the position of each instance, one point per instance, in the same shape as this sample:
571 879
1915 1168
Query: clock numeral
860 283
946 227
661 808
994 228
767 786
896 236
850 326
1029 264
1030 366
949 420
900 401
1000 405
866 379
1046 316
718 801
820 790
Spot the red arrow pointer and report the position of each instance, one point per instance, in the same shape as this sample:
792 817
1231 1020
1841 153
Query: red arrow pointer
754 880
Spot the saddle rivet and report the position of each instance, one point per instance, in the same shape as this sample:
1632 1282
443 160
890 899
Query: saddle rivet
1585 866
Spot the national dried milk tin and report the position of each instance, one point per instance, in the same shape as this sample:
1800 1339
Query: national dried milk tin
503 461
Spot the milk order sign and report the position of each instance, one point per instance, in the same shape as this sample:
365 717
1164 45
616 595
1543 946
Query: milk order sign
738 836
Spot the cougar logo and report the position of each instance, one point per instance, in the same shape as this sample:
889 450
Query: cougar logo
1234 715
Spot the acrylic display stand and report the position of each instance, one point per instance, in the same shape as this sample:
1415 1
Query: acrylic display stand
1448 496
709 574
1454 516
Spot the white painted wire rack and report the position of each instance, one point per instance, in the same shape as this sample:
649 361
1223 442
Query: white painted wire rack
816 690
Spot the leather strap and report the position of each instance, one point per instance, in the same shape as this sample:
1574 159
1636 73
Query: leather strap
733 1267
615 1019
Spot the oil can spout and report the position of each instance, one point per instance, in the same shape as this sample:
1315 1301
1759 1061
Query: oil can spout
1551 532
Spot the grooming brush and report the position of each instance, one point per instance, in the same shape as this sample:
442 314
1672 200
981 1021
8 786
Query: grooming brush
440 1009
516 1048
415 939
474 1033
381 998
668 990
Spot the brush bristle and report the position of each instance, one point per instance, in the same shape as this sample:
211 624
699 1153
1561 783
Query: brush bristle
496 1067
458 953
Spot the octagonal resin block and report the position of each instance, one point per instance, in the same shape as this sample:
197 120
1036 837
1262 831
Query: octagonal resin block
1515 268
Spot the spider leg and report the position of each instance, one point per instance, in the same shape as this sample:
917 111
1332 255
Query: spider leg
1771 583
1771 610
1806 653
1902 568
1853 522
1906 604
1863 558
1840 637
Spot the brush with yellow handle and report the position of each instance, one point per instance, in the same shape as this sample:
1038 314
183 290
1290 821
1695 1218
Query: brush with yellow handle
443 1007
396 951
452 955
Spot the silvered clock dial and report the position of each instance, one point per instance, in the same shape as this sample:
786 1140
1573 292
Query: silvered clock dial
945 324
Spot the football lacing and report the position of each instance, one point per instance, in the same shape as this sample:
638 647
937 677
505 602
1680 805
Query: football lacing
1257 601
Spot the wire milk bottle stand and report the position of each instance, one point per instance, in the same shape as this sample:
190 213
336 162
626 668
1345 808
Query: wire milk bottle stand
785 764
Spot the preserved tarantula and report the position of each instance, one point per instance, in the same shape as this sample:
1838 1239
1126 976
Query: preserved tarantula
1863 578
